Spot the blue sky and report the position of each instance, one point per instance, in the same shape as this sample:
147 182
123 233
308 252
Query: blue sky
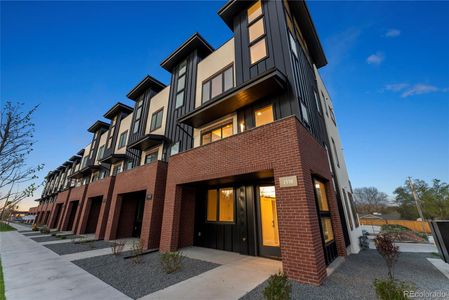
388 73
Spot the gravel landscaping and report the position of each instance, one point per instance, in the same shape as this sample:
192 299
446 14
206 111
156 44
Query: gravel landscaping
52 238
32 233
138 280
354 278
70 247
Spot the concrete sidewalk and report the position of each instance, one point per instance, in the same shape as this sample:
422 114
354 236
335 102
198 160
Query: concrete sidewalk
32 271
237 275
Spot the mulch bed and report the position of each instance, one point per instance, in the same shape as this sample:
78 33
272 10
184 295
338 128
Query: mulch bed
53 238
70 247
138 280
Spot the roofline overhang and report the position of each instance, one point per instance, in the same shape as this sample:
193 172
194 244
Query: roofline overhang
143 85
148 141
116 109
196 41
97 126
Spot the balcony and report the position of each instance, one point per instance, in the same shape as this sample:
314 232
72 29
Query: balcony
265 85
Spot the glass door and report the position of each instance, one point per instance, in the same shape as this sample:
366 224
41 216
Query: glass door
269 244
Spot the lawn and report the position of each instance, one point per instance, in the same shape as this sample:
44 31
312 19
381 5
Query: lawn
2 284
5 227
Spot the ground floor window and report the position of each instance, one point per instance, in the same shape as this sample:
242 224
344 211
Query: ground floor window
323 211
220 205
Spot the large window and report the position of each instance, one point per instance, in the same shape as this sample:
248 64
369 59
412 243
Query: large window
100 152
117 169
122 139
264 115
305 113
174 148
220 205
216 134
149 158
180 85
156 119
256 33
336 153
323 211
218 84
111 132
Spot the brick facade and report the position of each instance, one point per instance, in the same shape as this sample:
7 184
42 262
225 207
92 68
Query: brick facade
76 194
285 148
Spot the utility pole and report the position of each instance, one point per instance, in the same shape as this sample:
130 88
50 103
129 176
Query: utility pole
418 205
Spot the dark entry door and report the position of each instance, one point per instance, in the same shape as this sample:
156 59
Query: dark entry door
72 215
137 228
94 213
268 230
57 215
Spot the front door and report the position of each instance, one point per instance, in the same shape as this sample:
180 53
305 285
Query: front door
268 232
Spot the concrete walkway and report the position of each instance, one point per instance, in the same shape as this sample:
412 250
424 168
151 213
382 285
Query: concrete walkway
237 275
32 271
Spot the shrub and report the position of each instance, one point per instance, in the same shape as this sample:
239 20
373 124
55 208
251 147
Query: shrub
137 251
34 227
62 237
278 288
390 289
45 230
388 250
117 247
171 261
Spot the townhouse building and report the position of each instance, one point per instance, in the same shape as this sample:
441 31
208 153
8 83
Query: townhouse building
240 152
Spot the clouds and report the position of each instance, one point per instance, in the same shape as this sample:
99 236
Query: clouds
375 59
392 33
408 90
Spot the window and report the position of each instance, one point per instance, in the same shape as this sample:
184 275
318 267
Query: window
156 120
354 212
305 113
129 164
117 169
122 139
216 134
258 51
100 153
219 84
180 84
323 98
332 115
264 115
348 207
256 33
336 153
256 30
320 190
94 177
323 211
174 149
317 102
102 174
138 116
220 205
254 11
150 157
293 45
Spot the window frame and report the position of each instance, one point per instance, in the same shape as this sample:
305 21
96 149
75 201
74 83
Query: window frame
124 133
262 107
145 162
323 214
174 144
258 39
100 151
155 114
181 72
234 221
211 129
138 116
214 76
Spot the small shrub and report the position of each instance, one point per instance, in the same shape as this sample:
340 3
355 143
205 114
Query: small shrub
171 261
117 248
390 289
54 234
45 230
62 237
388 250
34 227
137 251
278 288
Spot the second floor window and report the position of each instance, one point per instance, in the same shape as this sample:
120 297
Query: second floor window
180 85
216 134
139 108
305 113
117 169
156 119
264 115
122 139
100 153
174 149
149 158
218 84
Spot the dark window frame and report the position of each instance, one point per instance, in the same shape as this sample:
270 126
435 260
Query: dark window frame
209 131
323 214
218 206
159 111
182 91
138 117
262 37
150 154
124 133
215 75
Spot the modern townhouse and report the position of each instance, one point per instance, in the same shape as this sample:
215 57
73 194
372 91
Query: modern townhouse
240 152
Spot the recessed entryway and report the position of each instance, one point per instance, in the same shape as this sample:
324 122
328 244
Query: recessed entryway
94 207
73 207
131 214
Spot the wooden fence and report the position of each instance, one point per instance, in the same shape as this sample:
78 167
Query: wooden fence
413 225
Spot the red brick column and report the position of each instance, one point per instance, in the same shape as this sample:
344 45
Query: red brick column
104 211
114 214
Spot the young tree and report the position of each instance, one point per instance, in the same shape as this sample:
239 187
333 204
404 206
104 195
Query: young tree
434 200
370 200
16 143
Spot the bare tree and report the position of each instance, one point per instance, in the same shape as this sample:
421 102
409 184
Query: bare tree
16 143
370 200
